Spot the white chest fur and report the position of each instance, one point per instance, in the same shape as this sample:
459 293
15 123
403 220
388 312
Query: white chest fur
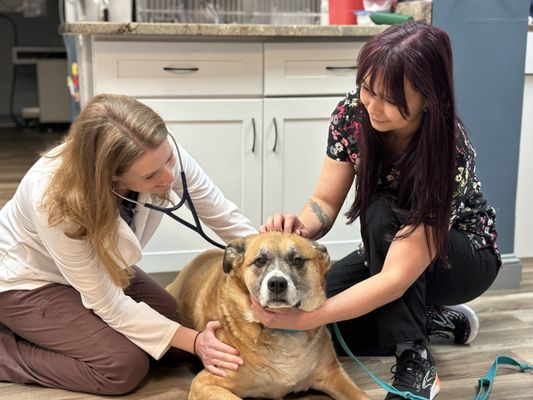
291 361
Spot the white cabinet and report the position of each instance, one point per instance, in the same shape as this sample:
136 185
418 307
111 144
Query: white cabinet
294 147
223 102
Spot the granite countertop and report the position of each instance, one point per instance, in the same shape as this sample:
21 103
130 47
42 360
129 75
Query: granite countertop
420 10
219 30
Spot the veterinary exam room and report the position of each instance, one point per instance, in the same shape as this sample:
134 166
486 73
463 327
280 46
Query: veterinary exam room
266 199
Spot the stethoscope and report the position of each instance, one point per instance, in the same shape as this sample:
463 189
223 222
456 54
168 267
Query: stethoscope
185 198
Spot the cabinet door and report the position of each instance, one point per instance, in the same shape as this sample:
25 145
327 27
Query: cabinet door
293 159
219 134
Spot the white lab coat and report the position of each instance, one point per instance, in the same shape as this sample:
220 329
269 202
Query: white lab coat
33 254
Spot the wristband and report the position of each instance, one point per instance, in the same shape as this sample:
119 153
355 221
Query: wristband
194 343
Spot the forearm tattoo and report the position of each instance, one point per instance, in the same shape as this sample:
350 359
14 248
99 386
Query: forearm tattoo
325 222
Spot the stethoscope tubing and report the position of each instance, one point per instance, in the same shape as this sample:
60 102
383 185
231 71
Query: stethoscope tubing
197 226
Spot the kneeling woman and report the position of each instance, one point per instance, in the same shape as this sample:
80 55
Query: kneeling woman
428 234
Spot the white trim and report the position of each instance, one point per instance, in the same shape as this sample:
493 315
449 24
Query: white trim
173 261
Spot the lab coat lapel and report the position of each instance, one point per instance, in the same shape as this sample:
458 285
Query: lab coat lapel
146 221
130 248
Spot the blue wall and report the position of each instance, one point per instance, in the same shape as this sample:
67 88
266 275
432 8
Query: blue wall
489 43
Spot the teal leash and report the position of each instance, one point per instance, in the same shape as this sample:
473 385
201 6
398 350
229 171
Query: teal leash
286 330
485 383
383 385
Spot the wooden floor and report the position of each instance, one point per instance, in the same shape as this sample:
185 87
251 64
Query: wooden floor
19 149
506 319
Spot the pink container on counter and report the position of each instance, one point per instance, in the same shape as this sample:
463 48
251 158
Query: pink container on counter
341 12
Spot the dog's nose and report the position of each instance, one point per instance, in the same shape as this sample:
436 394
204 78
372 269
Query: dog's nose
277 284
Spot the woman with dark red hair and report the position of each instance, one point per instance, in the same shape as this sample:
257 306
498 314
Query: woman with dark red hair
428 234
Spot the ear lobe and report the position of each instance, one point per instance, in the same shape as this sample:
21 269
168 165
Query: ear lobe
234 254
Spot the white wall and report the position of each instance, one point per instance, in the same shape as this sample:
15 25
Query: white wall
524 197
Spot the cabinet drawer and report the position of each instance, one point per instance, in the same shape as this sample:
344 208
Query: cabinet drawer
178 69
310 68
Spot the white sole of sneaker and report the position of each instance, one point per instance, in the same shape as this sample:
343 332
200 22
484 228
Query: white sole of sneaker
472 319
435 389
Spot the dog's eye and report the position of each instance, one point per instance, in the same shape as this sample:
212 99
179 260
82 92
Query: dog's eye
297 262
260 262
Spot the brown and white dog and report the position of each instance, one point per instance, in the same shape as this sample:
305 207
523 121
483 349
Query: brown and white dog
280 270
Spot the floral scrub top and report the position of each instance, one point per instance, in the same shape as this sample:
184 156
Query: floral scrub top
470 211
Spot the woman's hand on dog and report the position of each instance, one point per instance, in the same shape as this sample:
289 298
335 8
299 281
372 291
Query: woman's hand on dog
216 355
289 223
281 318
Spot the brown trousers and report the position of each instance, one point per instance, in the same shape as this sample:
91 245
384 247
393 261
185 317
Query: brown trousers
51 339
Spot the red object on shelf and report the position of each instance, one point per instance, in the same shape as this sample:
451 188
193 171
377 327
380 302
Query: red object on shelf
341 12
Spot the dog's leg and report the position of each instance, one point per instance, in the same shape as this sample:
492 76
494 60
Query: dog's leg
335 382
212 392
203 388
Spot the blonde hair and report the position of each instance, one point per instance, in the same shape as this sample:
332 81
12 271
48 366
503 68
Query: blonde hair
108 136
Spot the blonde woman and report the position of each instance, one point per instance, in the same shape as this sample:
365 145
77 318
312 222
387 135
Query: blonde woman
76 311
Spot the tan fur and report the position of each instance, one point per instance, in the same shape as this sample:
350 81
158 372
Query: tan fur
275 362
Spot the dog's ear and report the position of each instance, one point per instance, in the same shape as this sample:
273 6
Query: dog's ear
321 251
233 254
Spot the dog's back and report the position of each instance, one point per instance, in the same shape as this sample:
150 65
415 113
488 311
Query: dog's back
194 284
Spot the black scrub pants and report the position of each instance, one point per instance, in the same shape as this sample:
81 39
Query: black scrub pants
470 273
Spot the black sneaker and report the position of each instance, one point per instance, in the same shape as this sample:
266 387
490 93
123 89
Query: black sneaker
459 320
415 374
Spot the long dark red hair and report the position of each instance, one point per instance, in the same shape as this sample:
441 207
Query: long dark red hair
422 54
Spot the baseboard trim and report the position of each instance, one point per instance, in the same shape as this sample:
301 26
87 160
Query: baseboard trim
510 275
172 261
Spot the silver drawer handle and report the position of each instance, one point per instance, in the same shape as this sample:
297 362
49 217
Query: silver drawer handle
353 67
275 134
253 142
176 69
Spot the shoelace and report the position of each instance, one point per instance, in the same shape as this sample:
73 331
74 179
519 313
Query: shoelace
409 375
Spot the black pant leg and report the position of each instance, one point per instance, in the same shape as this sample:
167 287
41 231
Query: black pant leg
346 272
360 334
402 320
470 273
